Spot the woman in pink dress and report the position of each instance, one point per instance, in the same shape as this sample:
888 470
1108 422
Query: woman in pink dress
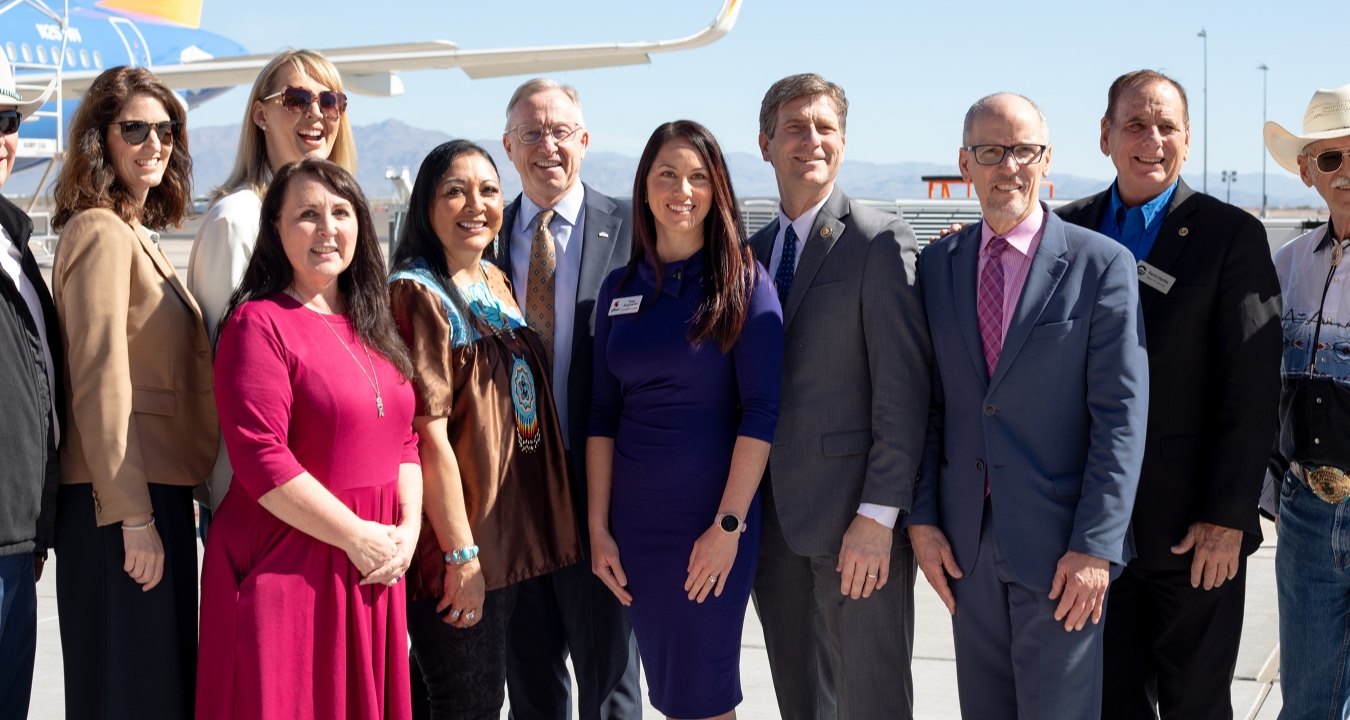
302 610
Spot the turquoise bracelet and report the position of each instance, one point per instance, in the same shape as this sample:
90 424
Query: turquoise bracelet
461 556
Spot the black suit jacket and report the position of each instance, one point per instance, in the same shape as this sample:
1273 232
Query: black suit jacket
606 236
1214 346
29 468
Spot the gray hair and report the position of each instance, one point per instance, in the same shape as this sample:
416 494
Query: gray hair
794 86
983 104
535 86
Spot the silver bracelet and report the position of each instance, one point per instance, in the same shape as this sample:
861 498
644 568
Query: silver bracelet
139 527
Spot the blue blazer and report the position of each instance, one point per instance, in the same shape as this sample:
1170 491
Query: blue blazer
1059 428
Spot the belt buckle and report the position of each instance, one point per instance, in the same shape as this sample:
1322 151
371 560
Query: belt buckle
1330 484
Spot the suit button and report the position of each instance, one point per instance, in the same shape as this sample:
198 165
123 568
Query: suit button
988 409
979 465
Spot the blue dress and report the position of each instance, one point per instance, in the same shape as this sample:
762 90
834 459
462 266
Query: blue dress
675 410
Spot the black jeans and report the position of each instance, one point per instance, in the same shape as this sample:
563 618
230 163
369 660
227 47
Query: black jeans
464 670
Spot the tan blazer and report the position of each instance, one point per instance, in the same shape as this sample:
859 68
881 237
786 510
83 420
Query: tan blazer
138 367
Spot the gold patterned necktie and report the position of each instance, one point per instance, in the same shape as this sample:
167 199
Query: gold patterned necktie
539 285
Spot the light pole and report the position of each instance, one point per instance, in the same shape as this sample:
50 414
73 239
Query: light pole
1265 75
1228 177
1204 179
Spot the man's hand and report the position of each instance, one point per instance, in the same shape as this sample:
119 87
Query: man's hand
936 560
864 558
1217 551
1080 586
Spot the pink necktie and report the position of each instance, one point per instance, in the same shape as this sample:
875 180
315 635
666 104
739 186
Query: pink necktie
989 303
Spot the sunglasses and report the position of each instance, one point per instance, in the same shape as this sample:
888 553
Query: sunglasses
135 132
299 100
1330 161
9 122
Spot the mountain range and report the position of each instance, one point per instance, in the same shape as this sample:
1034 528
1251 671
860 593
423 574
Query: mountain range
395 145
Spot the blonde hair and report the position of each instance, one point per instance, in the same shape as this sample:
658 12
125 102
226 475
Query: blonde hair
251 168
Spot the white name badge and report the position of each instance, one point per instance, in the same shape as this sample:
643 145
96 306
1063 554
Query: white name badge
624 305
1155 278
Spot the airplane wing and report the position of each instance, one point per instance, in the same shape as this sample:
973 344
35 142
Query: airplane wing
370 69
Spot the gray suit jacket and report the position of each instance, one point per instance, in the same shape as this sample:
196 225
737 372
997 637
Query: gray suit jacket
606 234
855 374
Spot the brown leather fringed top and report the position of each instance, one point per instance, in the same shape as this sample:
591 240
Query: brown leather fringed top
486 374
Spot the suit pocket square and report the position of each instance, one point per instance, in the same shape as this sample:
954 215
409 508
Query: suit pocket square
841 444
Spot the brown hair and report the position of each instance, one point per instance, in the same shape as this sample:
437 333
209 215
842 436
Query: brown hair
88 178
729 275
1139 79
362 285
251 168
794 86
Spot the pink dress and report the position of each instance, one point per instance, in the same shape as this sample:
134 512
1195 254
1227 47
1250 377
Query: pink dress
287 631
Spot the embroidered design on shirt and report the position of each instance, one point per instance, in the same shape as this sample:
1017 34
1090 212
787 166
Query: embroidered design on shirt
526 404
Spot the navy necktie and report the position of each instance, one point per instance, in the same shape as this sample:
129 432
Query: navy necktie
787 266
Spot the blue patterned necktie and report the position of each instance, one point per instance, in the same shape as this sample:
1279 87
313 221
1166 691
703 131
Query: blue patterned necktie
787 266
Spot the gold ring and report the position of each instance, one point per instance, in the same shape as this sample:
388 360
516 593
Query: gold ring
872 576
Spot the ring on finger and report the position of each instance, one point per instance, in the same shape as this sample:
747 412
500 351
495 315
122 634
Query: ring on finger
712 578
469 615
872 576
454 614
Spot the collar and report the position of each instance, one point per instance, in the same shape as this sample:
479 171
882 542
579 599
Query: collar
674 274
1153 209
568 208
1327 238
804 222
1022 235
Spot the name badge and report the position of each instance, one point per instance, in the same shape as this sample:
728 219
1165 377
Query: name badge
1155 278
624 305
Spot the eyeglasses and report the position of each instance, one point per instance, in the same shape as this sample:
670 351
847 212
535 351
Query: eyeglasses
135 132
1330 161
534 134
993 154
299 100
9 122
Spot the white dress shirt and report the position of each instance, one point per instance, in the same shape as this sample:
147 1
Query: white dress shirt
568 215
884 514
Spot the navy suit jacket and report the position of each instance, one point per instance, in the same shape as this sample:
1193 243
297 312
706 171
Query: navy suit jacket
1059 428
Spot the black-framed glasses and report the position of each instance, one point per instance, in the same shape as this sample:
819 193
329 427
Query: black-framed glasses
9 122
134 132
1024 154
299 100
1330 161
534 134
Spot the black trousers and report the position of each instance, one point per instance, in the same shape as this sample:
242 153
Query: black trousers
570 611
460 673
1171 649
127 653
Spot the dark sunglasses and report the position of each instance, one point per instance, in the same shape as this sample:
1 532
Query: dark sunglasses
299 100
134 132
9 122
1330 161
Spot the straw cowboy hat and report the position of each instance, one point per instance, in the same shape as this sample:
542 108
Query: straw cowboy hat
9 93
1328 116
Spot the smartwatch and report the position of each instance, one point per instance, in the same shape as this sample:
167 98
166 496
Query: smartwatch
730 523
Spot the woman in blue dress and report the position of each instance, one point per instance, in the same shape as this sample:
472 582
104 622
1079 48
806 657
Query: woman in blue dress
688 364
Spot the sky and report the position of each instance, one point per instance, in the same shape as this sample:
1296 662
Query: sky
910 68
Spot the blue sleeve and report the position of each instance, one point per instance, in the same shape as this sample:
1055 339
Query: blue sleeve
758 360
606 395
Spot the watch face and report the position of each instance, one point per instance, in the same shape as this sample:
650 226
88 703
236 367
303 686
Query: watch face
730 523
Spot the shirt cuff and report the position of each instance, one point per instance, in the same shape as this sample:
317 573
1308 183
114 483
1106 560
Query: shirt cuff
884 514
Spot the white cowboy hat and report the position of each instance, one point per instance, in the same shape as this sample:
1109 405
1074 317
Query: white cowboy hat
9 93
1328 116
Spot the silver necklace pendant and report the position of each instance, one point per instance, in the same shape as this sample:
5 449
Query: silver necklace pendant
379 405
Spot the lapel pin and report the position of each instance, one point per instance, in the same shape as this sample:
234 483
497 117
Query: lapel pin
1184 232
602 233
826 232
